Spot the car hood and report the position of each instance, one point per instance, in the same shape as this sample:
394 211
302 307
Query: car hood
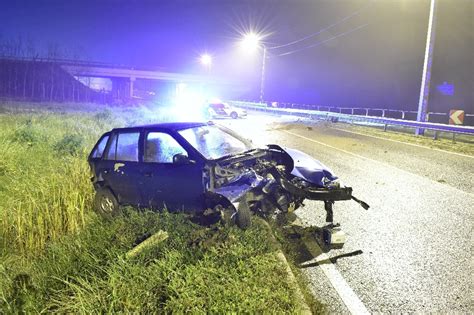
309 168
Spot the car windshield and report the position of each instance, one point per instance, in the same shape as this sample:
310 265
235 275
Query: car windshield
213 142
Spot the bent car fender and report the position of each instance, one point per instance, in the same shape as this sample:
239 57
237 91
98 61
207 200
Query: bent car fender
309 168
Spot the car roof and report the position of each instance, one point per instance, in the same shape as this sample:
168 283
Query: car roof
175 126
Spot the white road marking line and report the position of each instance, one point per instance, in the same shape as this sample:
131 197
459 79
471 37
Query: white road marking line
345 292
407 143
375 161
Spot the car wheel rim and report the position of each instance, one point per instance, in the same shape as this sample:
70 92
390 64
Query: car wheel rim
107 205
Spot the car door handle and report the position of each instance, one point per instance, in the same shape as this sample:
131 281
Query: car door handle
148 174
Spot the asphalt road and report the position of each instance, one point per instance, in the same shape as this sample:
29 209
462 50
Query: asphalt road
416 239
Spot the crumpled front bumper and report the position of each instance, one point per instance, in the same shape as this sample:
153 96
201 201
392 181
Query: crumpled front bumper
328 194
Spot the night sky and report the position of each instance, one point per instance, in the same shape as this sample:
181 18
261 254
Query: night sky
378 65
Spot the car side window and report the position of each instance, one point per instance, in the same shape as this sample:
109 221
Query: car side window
99 149
124 147
161 147
127 147
112 148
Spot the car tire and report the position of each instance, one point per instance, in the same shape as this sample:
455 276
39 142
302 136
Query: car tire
242 217
106 204
234 115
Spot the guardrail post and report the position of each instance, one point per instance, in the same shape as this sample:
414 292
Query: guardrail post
383 112
435 135
384 127
366 112
428 117
352 111
403 114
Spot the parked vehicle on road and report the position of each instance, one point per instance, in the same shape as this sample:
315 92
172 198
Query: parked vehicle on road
206 170
224 110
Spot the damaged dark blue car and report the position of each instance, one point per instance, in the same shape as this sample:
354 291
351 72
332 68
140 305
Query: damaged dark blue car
206 170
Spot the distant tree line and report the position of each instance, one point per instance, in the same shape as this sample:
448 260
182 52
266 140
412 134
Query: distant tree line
27 75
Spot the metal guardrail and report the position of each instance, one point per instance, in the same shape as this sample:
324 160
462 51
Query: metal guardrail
438 117
312 114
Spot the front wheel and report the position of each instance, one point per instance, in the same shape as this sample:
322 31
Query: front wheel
105 203
234 115
242 217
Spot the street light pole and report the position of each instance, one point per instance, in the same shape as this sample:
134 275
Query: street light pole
206 62
252 42
425 80
262 79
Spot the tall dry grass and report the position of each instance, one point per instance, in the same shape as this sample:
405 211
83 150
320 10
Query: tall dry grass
45 190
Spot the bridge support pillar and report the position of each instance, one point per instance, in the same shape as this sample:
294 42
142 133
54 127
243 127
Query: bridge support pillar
122 88
130 85
116 87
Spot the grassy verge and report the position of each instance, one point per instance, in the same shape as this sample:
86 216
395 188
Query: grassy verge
196 269
56 255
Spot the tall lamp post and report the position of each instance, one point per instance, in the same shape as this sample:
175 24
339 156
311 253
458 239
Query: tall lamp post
426 77
252 41
206 62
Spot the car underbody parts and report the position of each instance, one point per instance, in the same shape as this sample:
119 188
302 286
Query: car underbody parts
362 204
329 213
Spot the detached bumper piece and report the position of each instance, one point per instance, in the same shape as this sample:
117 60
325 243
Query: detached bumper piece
328 195
324 194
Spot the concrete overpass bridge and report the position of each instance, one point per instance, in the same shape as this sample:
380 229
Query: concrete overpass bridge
123 77
64 79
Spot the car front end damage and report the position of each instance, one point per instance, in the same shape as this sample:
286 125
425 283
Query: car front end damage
272 181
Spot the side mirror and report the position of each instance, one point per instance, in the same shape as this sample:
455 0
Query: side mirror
182 159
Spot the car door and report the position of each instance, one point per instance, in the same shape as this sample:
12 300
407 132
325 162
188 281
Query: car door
176 186
119 167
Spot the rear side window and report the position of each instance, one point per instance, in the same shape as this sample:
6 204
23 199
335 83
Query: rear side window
112 148
161 147
99 149
124 147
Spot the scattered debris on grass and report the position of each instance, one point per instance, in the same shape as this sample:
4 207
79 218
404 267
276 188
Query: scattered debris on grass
153 240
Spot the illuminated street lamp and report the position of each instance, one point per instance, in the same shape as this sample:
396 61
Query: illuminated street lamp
206 60
251 42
